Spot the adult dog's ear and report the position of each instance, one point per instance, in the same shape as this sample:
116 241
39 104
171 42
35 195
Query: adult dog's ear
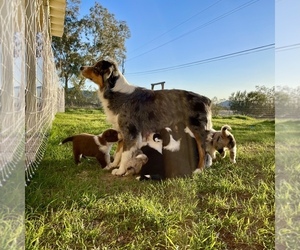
104 68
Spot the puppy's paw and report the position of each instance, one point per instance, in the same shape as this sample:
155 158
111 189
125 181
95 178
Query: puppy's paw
198 171
110 166
208 160
130 171
118 172
233 161
107 168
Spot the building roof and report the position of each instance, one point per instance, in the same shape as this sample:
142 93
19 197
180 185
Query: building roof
57 16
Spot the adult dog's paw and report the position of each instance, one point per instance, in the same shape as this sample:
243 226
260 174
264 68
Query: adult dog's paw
118 172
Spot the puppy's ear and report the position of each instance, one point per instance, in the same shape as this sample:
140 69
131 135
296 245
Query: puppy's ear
143 158
180 127
110 135
165 136
156 137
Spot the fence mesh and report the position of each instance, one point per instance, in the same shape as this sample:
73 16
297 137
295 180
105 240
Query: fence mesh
30 94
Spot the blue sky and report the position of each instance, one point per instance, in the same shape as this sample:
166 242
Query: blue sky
168 33
287 31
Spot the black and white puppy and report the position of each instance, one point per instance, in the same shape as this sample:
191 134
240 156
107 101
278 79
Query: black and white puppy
179 152
154 168
171 153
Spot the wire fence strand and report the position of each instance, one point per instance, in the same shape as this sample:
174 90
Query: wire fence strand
30 95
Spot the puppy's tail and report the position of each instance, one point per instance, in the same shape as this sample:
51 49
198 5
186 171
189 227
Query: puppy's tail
67 140
224 130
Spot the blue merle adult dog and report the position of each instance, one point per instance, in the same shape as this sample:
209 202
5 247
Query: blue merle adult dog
136 111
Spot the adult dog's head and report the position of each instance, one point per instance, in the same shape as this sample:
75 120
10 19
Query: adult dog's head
102 73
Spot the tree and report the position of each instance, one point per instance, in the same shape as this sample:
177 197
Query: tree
85 40
258 103
68 50
215 107
104 36
287 101
238 102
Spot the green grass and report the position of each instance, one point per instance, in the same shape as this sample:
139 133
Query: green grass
84 207
287 184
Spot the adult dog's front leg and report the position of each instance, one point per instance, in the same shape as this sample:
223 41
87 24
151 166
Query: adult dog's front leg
126 156
117 156
201 152
129 149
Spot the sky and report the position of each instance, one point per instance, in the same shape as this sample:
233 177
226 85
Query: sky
211 47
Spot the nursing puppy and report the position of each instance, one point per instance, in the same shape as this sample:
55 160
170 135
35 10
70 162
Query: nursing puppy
179 152
136 111
221 141
171 153
98 146
154 168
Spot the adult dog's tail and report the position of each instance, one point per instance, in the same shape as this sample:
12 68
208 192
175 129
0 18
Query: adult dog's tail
67 140
224 130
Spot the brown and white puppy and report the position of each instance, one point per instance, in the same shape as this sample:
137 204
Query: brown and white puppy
221 141
136 111
98 146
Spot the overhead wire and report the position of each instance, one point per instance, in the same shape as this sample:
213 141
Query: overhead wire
176 26
198 27
288 47
207 60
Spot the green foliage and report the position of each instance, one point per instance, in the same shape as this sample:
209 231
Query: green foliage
259 103
85 40
83 207
104 36
215 107
287 101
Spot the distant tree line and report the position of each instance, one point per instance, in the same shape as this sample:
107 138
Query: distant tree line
287 102
258 103
263 102
80 96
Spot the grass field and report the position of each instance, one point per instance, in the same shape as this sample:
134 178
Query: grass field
287 184
84 207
